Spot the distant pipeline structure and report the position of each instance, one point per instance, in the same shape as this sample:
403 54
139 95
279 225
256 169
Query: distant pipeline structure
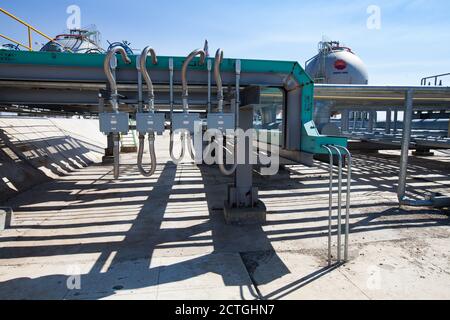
75 41
336 64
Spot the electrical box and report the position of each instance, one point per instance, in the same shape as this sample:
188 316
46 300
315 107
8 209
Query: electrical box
183 121
114 122
150 122
221 121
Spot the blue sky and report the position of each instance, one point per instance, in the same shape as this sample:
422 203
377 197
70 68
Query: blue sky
414 39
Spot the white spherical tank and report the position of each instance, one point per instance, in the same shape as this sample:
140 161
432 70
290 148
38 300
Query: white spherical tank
336 64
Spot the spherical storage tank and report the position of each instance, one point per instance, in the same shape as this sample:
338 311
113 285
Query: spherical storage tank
336 64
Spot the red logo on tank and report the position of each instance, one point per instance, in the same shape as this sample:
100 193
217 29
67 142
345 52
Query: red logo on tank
340 64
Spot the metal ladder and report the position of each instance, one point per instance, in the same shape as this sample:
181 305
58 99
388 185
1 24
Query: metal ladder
341 152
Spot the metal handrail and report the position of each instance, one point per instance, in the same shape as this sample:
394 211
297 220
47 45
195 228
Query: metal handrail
30 29
423 82
337 150
348 199
330 212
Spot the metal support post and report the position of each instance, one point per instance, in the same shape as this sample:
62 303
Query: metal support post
406 140
388 121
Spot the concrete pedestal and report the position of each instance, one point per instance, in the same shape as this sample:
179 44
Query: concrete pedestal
246 215
5 218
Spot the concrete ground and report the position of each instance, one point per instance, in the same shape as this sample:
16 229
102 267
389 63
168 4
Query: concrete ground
165 237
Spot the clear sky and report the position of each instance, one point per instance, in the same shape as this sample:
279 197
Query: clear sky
413 41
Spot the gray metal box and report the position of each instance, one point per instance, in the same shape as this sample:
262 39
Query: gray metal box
114 122
183 121
221 121
148 122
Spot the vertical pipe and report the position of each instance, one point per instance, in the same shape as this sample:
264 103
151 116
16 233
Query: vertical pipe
339 253
371 122
348 201
116 156
345 121
363 120
140 85
209 84
395 121
448 133
330 207
388 121
171 68
30 39
238 91
406 140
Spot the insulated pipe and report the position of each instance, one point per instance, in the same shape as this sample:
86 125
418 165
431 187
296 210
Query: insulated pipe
151 103
109 72
151 144
218 78
217 63
183 150
185 96
108 69
143 64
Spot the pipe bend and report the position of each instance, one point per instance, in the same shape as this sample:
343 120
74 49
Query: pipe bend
107 65
217 62
183 148
143 66
151 141
222 166
197 52
109 72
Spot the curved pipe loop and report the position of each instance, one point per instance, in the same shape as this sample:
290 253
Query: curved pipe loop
143 66
190 147
185 96
217 62
183 148
109 72
222 166
151 144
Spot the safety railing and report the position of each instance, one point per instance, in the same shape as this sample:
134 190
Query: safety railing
30 30
341 153
436 79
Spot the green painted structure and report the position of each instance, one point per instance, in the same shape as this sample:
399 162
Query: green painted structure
311 140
